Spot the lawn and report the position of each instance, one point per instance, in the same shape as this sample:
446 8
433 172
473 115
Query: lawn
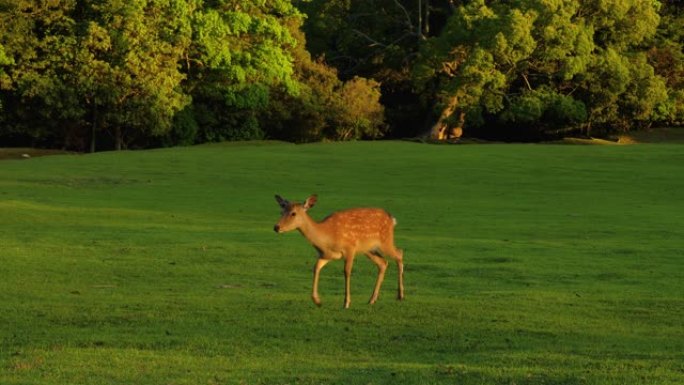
525 264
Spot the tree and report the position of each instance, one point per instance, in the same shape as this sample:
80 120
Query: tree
501 66
129 71
667 58
4 62
359 113
117 74
240 52
379 40
620 87
324 108
83 67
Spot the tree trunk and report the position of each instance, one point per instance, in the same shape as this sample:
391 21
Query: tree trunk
118 138
440 130
419 24
92 139
93 129
426 27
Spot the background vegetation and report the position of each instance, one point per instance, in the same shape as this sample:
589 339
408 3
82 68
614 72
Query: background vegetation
105 74
534 264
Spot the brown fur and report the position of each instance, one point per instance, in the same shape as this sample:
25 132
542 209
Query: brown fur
342 235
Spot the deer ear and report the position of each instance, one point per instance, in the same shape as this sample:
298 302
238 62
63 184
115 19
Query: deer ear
282 202
310 201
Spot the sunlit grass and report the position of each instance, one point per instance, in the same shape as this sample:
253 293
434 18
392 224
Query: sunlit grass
526 264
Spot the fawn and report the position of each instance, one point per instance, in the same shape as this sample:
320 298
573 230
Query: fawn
343 234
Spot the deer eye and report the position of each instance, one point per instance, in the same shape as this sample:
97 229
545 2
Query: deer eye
293 214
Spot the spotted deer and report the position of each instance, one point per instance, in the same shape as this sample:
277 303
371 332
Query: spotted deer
342 235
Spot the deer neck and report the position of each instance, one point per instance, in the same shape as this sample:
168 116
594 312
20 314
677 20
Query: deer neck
313 232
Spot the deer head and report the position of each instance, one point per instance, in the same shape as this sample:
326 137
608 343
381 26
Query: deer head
293 213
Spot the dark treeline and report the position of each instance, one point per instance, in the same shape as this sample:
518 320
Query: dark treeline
113 74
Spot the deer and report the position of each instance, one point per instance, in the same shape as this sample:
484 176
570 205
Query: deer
342 235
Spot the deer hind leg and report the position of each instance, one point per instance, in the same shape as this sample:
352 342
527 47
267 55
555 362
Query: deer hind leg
400 266
398 256
317 272
381 263
348 264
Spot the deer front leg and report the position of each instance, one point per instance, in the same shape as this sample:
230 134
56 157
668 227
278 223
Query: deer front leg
317 272
348 264
381 263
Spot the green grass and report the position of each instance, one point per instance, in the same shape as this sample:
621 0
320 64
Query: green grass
525 264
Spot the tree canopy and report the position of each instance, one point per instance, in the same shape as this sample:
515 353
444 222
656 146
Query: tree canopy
113 74
531 66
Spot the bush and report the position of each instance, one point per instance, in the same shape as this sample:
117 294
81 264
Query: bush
544 109
358 113
184 129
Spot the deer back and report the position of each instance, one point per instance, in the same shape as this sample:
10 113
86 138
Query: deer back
362 229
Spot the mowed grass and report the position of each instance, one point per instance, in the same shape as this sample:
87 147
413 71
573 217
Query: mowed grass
525 264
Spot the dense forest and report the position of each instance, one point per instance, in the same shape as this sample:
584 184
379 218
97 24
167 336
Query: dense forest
91 75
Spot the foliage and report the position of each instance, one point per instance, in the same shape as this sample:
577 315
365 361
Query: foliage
4 61
544 106
93 67
667 59
358 112
325 108
144 71
240 51
376 39
499 58
126 74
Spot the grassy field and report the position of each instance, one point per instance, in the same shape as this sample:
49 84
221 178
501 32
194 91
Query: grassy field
525 264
